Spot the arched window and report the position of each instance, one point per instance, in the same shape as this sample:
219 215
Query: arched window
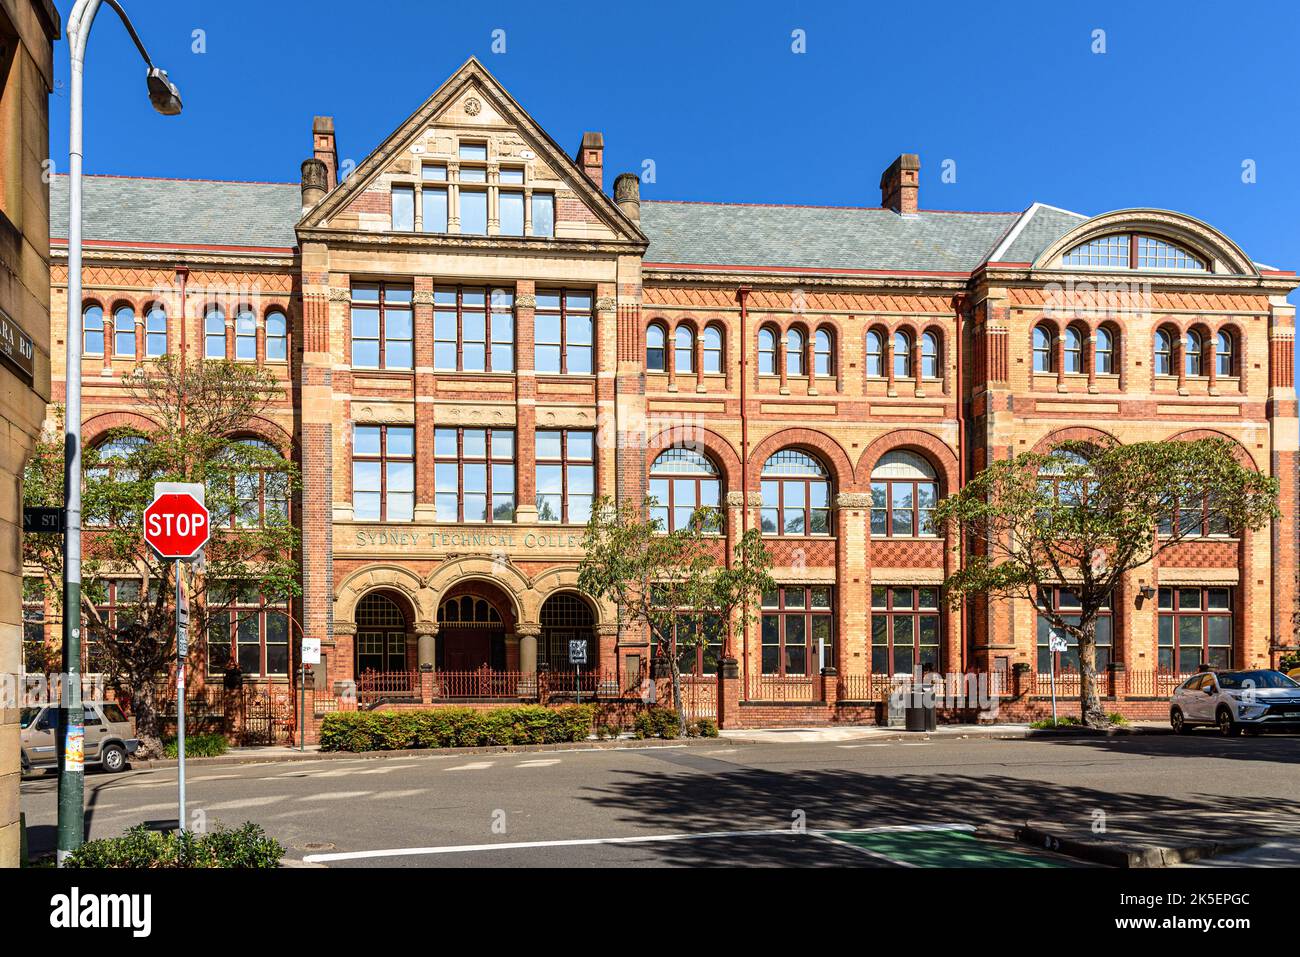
214 333
875 355
712 347
566 616
1223 354
155 330
381 635
794 353
1192 352
823 358
468 610
902 355
656 349
796 495
681 481
684 349
111 464
92 331
246 335
1073 352
1133 251
1044 360
277 336
766 351
930 356
1104 353
1164 352
259 489
1064 478
904 492
124 331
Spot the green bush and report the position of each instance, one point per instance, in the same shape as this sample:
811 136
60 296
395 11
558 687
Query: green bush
702 728
244 847
197 746
1065 721
453 728
657 721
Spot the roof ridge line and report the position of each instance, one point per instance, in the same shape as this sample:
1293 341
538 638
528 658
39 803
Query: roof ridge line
184 179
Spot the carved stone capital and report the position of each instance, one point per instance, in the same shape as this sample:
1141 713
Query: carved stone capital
528 630
607 630
423 298
344 628
425 628
606 303
340 295
526 301
853 500
735 500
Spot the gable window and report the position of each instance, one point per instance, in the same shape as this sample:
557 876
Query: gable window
904 492
403 208
473 210
655 348
124 332
245 335
543 214
875 355
566 475
1043 358
383 473
474 475
92 331
766 351
473 329
684 349
381 326
433 204
681 481
214 333
1133 251
277 336
512 212
796 495
562 329
155 331
712 349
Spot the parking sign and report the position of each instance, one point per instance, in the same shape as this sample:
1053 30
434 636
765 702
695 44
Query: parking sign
578 651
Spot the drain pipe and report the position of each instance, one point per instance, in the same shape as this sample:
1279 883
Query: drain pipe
959 303
742 296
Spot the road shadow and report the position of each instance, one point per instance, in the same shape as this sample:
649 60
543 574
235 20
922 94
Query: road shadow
1275 748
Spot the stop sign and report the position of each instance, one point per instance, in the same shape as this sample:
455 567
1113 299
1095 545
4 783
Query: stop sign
176 525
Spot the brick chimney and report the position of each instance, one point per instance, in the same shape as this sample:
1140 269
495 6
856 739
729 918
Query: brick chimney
900 185
322 134
591 157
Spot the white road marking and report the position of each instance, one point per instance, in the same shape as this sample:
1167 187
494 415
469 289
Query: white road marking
642 839
543 763
723 751
472 766
861 850
212 777
245 802
409 792
335 795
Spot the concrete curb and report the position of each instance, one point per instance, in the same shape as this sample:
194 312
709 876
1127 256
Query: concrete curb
1115 853
297 756
1115 732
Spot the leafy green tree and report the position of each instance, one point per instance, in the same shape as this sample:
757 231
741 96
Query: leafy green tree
1088 513
655 577
203 414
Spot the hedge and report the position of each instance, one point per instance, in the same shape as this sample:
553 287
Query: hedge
662 722
197 746
453 728
244 847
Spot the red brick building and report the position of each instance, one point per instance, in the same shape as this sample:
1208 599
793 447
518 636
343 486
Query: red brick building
476 338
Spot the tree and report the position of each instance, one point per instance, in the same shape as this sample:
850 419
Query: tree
656 578
202 414
1088 513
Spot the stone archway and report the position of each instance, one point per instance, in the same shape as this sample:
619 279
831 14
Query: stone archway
476 629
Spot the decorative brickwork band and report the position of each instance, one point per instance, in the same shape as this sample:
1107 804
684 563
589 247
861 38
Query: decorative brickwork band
1282 363
629 332
315 323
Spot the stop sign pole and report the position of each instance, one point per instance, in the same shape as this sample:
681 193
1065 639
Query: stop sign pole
177 526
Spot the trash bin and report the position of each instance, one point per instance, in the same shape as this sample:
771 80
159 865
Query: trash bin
921 713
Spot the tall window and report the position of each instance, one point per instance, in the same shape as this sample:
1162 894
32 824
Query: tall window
473 329
767 351
712 350
902 355
155 331
260 489
246 335
796 495
403 208
684 349
563 332
1043 358
473 209
794 353
383 473
433 198
875 355
381 326
1164 353
1194 629
381 635
1065 479
930 356
1073 351
1192 353
655 348
250 626
34 651
117 461
681 481
796 628
1065 603
474 475
124 332
1223 355
904 629
823 354
543 214
1104 354
511 205
1196 516
277 336
92 331
566 475
214 333
697 642
117 604
904 492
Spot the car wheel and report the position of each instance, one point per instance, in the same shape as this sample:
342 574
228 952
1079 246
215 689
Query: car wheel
1177 722
1227 726
113 758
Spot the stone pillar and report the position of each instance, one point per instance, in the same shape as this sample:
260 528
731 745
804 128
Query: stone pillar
528 635
729 693
830 691
426 638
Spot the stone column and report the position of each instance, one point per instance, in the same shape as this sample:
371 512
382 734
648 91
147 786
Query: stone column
426 639
528 635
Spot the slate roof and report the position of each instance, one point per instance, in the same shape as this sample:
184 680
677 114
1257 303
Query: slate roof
214 213
180 211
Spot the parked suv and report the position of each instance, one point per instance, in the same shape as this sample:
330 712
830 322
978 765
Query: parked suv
1234 701
110 736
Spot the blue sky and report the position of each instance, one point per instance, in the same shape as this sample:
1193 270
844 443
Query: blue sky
712 93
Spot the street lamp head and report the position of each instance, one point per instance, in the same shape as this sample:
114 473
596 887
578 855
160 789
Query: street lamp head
164 96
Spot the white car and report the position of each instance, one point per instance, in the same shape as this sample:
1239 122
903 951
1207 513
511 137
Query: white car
1236 701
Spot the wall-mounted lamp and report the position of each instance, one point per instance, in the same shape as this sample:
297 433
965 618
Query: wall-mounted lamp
1145 593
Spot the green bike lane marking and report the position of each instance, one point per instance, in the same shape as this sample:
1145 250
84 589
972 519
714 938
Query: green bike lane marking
938 848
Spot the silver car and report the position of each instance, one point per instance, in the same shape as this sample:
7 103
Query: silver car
109 736
1236 701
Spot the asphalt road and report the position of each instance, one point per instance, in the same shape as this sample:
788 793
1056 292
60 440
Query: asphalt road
901 803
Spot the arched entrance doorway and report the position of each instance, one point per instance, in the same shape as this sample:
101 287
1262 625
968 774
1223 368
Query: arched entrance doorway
382 629
472 627
566 616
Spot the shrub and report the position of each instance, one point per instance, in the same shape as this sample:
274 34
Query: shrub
702 728
657 721
453 727
1117 719
210 745
244 847
1065 721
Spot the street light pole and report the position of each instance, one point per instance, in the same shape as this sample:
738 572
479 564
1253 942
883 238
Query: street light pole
70 738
